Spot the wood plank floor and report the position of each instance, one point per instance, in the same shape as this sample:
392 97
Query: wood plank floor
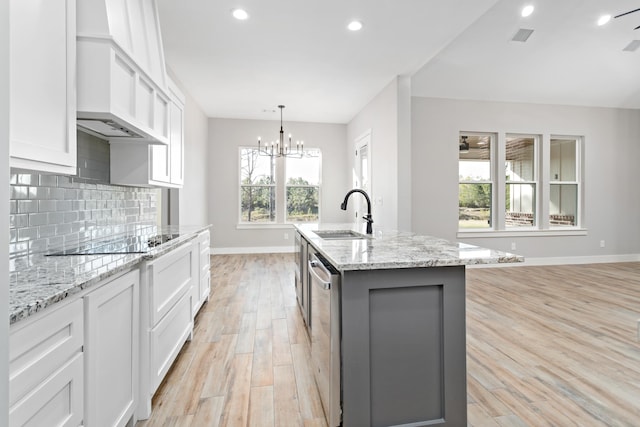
546 346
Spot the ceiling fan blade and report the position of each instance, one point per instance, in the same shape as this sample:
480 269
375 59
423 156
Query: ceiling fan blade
626 13
637 27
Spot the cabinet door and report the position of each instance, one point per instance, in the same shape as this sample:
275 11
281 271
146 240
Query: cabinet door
42 66
111 350
45 368
168 337
57 401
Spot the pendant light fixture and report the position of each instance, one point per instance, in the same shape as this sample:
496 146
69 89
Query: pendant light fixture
280 148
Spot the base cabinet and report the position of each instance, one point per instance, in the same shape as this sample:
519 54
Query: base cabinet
167 316
202 287
111 351
46 369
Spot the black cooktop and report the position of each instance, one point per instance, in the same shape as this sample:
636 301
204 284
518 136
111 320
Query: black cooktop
120 245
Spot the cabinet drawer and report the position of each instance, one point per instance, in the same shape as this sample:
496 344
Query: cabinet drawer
40 347
57 401
171 277
167 339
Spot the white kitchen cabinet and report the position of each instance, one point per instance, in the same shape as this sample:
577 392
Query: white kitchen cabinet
167 338
203 286
166 313
154 165
111 351
42 67
122 88
46 368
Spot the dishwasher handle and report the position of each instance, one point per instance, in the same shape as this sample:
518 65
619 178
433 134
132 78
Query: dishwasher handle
317 264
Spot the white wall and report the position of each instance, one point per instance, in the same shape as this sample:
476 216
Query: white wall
612 151
4 211
387 116
225 138
194 204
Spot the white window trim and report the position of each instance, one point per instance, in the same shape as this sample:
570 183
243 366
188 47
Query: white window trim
280 221
538 221
542 228
240 185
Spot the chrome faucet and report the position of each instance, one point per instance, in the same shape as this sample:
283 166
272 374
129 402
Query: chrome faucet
366 217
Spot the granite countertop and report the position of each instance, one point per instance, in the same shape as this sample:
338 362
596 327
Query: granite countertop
387 249
38 281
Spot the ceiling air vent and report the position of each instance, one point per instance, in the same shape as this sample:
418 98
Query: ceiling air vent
522 35
633 46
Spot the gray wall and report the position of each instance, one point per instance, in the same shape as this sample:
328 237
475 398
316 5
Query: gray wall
51 211
388 118
612 150
194 195
225 138
190 202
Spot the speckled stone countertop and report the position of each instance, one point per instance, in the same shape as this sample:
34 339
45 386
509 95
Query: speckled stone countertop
38 281
396 249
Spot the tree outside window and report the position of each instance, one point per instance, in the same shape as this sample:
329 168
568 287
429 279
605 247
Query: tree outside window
257 187
475 188
303 187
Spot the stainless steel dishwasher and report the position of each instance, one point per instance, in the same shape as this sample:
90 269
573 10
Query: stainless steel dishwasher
325 335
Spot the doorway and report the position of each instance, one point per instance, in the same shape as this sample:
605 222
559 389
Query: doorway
362 171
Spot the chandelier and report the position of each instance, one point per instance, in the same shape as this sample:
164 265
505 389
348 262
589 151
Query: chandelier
281 148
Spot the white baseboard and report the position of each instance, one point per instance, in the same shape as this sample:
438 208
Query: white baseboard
591 259
252 250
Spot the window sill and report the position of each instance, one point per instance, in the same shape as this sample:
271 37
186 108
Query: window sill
257 226
523 233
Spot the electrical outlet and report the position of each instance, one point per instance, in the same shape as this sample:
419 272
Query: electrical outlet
602 243
286 236
513 246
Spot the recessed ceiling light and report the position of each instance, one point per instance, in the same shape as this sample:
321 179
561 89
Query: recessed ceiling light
604 19
240 14
527 10
355 26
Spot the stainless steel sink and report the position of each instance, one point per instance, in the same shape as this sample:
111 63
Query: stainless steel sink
341 235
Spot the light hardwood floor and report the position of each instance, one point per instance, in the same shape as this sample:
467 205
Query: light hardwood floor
547 346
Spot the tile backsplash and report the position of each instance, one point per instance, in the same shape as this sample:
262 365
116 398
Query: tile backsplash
53 211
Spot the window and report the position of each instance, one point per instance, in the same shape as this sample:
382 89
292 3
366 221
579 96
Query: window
475 188
303 187
501 186
274 190
520 185
563 182
257 187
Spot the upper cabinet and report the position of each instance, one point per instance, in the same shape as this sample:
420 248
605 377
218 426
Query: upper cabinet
42 64
122 83
153 165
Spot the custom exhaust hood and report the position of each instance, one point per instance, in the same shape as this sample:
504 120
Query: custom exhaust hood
122 90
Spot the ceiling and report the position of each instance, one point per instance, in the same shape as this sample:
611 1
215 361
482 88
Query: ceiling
300 54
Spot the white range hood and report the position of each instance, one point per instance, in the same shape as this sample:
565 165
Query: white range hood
122 91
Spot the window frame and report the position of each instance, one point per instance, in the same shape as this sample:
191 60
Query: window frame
280 188
493 139
241 186
579 140
318 186
536 167
543 189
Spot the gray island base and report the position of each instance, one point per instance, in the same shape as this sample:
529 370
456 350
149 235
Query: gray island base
402 344
403 347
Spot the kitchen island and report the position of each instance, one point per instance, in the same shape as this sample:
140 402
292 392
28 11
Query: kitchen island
402 345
